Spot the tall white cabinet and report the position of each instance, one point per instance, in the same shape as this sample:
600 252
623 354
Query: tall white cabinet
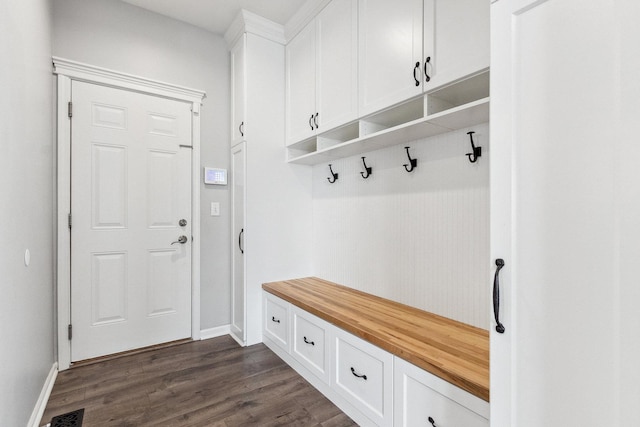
271 202
565 203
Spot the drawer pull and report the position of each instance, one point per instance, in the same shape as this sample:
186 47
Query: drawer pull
353 371
273 319
433 423
308 342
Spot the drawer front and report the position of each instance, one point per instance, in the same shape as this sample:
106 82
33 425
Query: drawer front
417 403
311 343
276 322
363 375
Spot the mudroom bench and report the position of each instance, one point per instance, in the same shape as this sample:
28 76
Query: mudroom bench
381 362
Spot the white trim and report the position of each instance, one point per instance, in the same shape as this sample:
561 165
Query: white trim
89 73
41 404
218 331
302 17
67 72
249 22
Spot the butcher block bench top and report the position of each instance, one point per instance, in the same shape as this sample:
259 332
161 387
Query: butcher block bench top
453 351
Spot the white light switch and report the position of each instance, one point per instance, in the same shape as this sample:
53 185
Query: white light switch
215 208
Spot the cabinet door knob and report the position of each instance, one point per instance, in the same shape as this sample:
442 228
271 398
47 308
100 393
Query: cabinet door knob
433 423
426 74
416 70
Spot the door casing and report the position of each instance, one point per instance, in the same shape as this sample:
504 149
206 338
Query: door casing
68 71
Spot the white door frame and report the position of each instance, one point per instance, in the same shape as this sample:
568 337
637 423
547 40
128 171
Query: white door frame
68 71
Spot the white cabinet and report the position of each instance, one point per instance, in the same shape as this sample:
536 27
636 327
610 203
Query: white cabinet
259 177
422 399
390 53
364 375
276 320
322 72
238 88
238 291
456 40
311 343
564 213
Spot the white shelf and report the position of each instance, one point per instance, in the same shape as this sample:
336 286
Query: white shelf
469 114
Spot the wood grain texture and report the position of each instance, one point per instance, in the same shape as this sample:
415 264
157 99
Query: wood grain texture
201 383
451 350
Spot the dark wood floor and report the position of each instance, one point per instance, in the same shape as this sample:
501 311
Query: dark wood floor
202 383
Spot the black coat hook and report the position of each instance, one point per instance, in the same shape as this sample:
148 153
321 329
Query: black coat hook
475 151
412 162
368 169
334 175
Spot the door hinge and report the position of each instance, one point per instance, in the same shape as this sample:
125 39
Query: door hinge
70 109
69 221
70 330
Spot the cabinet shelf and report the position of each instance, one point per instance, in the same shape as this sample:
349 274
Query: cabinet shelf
311 151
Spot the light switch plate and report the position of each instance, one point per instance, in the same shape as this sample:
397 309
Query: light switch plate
215 208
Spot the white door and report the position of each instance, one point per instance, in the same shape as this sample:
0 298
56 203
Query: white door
337 64
238 315
130 191
238 85
456 39
390 52
565 203
301 85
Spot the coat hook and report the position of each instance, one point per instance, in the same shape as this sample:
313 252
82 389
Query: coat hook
368 169
412 162
334 175
475 151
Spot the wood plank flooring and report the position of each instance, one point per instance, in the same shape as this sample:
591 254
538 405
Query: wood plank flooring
202 383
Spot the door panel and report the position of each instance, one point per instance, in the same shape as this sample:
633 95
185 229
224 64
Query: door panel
238 315
130 185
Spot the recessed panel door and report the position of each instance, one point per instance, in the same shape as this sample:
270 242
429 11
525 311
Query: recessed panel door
238 315
131 211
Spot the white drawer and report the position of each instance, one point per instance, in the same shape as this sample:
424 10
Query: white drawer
364 376
276 321
311 343
421 397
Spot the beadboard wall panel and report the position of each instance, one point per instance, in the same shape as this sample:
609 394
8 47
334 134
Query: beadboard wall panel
419 238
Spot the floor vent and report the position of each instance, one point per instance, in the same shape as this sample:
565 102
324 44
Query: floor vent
70 419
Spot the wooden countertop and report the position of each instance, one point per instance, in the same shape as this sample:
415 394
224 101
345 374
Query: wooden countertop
453 351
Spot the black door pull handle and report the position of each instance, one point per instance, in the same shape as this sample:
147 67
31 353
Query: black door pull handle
426 74
240 241
307 341
416 69
273 319
353 371
496 296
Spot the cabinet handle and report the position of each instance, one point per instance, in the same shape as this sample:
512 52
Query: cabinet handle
433 423
311 124
496 295
308 342
273 319
315 121
241 129
353 371
416 69
426 74
240 241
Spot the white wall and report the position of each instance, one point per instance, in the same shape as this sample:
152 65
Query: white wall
26 197
122 37
419 238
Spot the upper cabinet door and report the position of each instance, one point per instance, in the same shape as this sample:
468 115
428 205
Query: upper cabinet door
337 59
301 85
239 88
390 52
456 40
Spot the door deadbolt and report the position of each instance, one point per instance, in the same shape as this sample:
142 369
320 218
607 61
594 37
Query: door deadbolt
182 222
182 240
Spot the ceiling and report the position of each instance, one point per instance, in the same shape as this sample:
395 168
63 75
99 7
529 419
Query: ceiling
217 15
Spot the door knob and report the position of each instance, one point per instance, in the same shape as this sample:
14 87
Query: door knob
182 223
182 240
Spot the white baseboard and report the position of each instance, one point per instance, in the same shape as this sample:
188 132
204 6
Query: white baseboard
41 404
219 331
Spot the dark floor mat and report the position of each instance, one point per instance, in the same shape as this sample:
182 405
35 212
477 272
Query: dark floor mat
70 419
